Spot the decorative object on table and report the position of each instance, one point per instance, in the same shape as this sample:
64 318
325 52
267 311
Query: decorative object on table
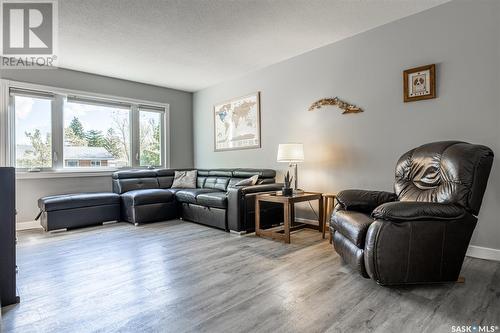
237 123
292 153
287 190
289 224
348 108
419 83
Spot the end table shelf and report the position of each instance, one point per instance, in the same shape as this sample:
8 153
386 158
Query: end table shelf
282 232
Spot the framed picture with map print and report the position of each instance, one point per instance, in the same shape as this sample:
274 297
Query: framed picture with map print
237 123
419 83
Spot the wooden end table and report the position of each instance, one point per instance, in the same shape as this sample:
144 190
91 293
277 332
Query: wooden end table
328 205
282 232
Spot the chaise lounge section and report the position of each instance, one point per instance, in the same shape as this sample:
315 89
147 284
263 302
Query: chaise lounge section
78 210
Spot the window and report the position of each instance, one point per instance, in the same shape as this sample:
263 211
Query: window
95 133
150 129
64 131
33 132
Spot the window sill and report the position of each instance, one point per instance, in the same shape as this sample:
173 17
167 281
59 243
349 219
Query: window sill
64 174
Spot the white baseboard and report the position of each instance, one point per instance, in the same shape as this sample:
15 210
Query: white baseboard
28 225
483 253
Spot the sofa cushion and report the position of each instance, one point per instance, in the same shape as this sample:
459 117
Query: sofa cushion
185 179
80 200
352 225
147 197
200 182
166 182
215 172
212 199
189 195
218 183
139 173
248 181
262 173
130 184
173 190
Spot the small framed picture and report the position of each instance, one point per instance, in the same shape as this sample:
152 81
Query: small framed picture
419 83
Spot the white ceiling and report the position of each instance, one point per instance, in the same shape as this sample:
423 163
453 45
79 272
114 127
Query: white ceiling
193 44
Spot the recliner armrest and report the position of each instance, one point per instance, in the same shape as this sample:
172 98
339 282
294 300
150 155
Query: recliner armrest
415 211
363 200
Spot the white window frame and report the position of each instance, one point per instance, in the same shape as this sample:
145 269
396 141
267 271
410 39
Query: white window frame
7 130
163 131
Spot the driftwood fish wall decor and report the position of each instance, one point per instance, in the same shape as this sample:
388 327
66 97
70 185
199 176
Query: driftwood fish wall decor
348 108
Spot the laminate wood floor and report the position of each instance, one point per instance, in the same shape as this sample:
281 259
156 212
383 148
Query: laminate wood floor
182 277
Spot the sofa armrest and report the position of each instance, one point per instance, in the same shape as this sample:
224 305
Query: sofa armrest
363 200
236 197
417 211
260 188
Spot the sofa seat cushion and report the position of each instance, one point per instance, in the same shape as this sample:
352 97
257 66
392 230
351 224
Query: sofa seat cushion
173 190
80 200
147 197
189 195
352 225
213 199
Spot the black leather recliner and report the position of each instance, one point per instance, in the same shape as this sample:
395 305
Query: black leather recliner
420 233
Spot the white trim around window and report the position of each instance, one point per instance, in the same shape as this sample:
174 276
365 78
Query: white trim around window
59 97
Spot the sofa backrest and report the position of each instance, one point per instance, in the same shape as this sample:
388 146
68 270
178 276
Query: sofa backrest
129 180
165 177
217 179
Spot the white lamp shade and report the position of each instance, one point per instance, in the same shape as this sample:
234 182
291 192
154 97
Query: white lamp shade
290 152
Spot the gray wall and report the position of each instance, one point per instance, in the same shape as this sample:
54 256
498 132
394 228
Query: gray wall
181 129
360 150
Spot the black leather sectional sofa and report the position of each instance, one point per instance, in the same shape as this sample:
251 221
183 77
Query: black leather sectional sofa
143 196
147 196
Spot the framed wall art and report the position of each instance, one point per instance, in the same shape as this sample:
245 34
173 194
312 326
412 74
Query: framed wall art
419 83
237 123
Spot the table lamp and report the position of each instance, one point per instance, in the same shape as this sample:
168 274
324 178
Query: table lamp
292 153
